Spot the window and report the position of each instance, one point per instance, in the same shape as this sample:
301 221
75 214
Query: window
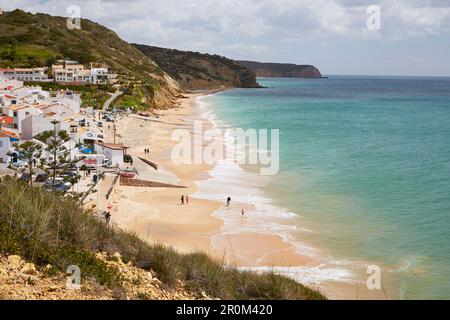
1 145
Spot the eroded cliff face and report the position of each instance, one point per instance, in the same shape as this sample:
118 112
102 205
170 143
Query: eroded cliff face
195 71
167 93
282 70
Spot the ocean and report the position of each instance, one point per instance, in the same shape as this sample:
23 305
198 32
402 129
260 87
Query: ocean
364 167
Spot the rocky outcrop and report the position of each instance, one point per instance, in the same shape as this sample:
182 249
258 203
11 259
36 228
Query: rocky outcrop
282 70
195 71
20 280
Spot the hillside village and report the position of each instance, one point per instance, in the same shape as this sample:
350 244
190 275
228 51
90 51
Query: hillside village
26 111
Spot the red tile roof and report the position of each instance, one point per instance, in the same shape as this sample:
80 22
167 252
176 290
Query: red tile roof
7 120
9 134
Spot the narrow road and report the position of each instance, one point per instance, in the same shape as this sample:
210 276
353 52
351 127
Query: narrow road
111 99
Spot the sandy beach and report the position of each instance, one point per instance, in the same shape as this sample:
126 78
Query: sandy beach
157 215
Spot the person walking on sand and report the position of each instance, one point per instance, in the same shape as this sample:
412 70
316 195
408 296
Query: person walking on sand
228 201
242 212
182 200
107 217
187 199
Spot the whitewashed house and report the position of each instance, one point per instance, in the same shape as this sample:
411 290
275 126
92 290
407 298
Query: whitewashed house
56 111
7 84
114 152
72 104
25 74
34 124
74 72
5 145
20 112
99 75
7 100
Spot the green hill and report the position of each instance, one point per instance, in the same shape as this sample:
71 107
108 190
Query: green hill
194 70
31 40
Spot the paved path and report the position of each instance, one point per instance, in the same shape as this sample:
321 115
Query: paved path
146 172
111 99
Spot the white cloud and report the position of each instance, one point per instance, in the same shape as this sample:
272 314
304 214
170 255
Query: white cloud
240 28
174 21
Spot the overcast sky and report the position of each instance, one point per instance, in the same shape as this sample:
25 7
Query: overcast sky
414 38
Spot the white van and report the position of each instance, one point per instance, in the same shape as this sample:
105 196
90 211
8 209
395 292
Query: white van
96 160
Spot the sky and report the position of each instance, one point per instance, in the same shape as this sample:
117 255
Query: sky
355 37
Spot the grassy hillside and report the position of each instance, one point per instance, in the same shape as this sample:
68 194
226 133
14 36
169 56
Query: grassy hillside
47 229
194 70
31 40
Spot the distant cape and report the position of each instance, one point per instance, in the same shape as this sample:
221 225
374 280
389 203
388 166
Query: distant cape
282 70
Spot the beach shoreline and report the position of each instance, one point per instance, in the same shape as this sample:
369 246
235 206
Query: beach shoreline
205 224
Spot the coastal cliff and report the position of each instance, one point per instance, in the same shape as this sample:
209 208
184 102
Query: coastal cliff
282 70
195 71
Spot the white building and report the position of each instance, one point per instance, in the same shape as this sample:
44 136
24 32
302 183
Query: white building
5 145
20 112
10 84
33 125
99 75
25 74
72 104
114 152
56 111
7 100
74 72
24 92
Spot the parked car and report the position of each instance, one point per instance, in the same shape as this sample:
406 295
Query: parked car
60 184
25 176
69 175
61 187
41 177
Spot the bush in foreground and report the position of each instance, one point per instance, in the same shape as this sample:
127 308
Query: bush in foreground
48 229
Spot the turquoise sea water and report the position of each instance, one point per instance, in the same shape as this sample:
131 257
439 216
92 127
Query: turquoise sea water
365 162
